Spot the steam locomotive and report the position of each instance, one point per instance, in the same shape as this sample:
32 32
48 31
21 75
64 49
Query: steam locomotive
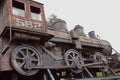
27 45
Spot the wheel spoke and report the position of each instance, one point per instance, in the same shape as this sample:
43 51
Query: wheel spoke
70 55
18 58
32 54
23 54
27 53
22 64
70 59
74 55
72 63
77 57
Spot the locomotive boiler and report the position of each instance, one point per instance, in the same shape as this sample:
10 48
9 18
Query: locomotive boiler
27 45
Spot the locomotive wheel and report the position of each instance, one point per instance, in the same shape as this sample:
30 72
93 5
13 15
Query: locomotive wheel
24 58
98 57
74 58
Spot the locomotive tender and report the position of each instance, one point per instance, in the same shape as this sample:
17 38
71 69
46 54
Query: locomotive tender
28 45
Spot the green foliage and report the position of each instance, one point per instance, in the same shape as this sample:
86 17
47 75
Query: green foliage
51 19
99 74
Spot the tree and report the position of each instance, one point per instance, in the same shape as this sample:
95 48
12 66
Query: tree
51 20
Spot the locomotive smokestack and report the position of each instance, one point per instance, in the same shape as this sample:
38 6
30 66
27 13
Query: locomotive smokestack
92 34
59 25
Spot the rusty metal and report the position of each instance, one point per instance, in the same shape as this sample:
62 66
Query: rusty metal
27 44
73 57
88 72
25 37
24 58
80 30
51 76
51 54
59 25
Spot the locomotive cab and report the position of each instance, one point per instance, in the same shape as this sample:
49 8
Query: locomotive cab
27 15
22 23
22 18
22 14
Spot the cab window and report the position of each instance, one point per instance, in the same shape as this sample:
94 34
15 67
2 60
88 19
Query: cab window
18 8
35 13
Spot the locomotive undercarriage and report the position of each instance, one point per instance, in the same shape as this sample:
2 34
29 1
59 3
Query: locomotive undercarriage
28 59
31 57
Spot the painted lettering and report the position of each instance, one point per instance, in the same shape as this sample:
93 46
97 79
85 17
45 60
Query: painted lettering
28 24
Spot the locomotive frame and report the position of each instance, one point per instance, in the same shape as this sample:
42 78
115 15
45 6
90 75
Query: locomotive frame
27 45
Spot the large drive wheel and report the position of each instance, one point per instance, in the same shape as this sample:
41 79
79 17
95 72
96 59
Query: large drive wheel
24 58
74 58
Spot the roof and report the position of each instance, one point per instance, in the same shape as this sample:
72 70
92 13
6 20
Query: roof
36 2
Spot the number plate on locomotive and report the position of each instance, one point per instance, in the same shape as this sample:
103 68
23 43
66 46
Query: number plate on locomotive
28 24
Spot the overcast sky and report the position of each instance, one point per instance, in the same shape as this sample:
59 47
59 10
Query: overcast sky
101 16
